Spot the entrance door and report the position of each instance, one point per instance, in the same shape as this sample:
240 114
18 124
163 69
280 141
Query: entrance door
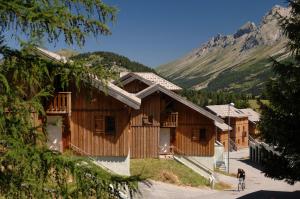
54 130
164 140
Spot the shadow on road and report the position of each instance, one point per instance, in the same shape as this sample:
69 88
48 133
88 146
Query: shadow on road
262 194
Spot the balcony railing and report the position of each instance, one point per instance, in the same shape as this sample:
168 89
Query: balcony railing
61 104
169 120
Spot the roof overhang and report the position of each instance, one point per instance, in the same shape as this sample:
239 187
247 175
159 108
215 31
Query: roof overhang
117 93
156 87
129 77
223 126
112 90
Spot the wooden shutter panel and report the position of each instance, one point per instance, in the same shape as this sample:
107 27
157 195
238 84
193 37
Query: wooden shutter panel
99 124
195 135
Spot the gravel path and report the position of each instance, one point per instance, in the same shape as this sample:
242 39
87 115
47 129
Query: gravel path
257 185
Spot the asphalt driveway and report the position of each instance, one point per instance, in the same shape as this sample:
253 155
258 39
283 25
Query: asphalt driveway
257 185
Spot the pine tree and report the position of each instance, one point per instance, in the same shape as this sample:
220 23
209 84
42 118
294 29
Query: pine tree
281 118
28 169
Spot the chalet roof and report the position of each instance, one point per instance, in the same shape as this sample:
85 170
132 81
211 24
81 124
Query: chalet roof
222 111
222 126
117 93
52 55
157 87
148 78
109 88
253 116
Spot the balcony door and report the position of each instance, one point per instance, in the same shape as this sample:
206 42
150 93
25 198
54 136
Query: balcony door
54 130
164 140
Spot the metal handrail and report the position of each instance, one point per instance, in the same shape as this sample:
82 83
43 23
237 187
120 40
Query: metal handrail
89 156
232 145
179 152
252 139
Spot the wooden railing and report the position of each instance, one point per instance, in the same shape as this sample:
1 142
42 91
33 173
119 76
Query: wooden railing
61 104
169 120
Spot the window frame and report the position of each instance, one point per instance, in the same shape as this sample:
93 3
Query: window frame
104 119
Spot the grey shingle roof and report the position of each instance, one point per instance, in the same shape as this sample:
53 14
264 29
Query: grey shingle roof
253 116
223 126
148 78
222 111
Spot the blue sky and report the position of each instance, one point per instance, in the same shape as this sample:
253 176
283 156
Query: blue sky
154 32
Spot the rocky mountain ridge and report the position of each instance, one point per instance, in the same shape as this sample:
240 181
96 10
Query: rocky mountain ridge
234 54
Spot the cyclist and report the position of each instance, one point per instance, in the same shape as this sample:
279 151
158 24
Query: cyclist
241 176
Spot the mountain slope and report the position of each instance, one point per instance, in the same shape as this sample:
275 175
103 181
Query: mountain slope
239 62
117 62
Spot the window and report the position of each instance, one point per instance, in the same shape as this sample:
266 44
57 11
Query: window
199 135
203 135
148 120
238 129
105 125
110 125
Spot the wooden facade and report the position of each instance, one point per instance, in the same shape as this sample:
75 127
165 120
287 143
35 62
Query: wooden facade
184 139
145 133
87 109
222 136
135 86
136 131
188 140
253 130
240 131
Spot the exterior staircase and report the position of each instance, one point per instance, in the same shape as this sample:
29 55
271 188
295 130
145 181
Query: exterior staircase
123 191
233 146
196 166
79 151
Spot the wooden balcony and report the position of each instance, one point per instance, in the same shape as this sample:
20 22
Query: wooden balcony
61 104
169 120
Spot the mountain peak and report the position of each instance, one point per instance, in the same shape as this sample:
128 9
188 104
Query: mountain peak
275 13
245 29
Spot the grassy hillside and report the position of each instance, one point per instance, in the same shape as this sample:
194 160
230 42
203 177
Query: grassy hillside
226 71
168 171
109 59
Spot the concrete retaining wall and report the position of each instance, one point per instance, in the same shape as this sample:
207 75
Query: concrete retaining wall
207 161
118 165
219 154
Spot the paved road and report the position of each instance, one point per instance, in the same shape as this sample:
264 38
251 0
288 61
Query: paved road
257 185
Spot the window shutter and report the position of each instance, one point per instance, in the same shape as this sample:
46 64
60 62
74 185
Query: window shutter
195 134
99 124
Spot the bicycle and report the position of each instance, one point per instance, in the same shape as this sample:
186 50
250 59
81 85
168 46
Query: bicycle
241 185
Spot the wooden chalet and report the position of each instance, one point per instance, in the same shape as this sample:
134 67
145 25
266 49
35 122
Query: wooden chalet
138 116
222 130
254 118
238 122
